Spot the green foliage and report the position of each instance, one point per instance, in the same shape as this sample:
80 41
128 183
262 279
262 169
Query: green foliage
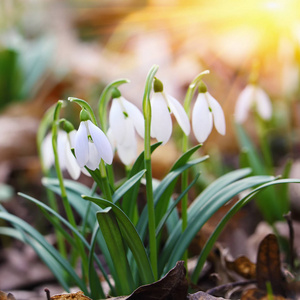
113 222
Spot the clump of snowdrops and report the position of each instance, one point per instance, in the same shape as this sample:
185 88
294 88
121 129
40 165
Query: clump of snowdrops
129 239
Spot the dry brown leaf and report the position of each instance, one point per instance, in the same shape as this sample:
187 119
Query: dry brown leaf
268 267
173 286
242 266
75 296
4 296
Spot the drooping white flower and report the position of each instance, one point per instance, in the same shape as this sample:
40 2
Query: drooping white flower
207 112
162 105
66 158
252 95
91 145
124 119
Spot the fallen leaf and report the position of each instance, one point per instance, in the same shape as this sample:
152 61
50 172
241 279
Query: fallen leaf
268 266
242 266
173 286
76 296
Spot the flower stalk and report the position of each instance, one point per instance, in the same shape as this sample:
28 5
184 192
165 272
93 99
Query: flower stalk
64 196
148 167
184 177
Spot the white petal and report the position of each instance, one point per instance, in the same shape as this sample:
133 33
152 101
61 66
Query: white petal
94 157
47 151
72 137
128 150
81 145
101 142
244 102
111 138
218 114
180 114
136 116
62 140
116 121
202 121
161 123
71 162
263 104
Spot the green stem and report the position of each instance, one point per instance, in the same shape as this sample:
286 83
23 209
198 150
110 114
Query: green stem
148 167
64 196
42 131
105 183
184 177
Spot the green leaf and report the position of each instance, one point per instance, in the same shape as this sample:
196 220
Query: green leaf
44 244
129 203
131 237
69 226
95 284
49 261
173 252
111 232
172 207
127 185
185 157
159 193
235 208
199 201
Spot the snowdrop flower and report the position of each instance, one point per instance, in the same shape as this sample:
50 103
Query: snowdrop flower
124 119
206 112
252 95
162 105
66 158
91 144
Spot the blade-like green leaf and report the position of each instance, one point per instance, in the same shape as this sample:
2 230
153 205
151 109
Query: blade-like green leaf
43 243
127 185
49 261
111 232
171 208
68 225
235 208
129 203
131 237
171 255
74 192
199 201
164 186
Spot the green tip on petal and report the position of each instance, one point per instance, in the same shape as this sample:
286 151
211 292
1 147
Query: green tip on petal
202 87
68 126
84 115
115 93
158 86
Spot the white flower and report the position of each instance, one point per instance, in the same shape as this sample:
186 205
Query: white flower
91 145
206 112
66 158
252 95
162 105
124 119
